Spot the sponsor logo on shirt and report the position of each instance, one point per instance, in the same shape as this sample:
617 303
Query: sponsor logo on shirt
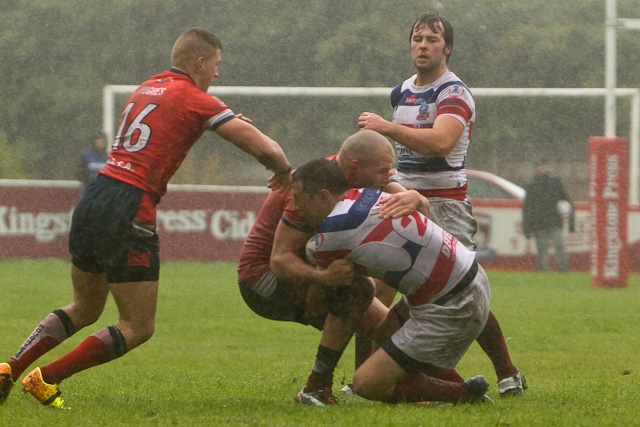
413 99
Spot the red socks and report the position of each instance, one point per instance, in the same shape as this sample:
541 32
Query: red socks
99 348
492 342
422 388
53 329
442 373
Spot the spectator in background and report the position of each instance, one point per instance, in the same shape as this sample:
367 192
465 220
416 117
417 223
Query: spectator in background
544 206
92 159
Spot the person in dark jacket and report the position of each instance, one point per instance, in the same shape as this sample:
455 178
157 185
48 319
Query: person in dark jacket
545 205
92 159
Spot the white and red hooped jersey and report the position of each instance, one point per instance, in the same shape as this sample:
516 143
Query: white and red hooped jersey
410 253
418 107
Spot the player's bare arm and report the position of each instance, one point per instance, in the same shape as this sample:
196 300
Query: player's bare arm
286 263
403 202
268 152
436 141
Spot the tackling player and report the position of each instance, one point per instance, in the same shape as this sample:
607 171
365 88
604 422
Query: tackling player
113 242
277 284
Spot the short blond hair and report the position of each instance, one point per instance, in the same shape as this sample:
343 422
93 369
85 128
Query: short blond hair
192 44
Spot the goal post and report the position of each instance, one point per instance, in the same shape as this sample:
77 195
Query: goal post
110 92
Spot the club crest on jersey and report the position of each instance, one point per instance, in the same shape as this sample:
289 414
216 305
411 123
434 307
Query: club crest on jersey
456 90
423 112
404 151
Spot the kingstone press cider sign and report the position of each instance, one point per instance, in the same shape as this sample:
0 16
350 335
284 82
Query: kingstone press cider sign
204 224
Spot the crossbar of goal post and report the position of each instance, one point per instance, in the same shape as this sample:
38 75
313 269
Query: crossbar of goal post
109 92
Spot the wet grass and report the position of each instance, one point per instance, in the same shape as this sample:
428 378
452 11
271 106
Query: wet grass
213 362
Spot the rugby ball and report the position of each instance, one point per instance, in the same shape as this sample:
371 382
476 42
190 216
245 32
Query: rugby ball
310 251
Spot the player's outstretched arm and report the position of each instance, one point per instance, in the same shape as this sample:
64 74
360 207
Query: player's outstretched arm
268 152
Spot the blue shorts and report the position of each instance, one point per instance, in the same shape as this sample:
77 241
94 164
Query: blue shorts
105 236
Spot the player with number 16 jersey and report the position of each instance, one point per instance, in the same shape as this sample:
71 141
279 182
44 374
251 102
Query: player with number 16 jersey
113 241
167 104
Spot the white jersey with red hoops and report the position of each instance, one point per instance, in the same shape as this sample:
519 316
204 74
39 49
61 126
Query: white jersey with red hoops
417 107
411 253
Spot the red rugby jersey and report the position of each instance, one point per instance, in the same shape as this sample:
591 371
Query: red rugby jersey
255 257
161 121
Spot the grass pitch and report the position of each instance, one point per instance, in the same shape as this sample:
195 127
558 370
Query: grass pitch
212 362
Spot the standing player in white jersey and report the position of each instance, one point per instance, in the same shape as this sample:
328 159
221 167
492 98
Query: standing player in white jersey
433 118
446 300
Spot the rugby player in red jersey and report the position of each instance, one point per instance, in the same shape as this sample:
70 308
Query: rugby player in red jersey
277 284
113 242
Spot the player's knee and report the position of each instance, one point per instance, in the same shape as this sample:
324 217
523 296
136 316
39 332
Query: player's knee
146 333
138 334
364 388
359 386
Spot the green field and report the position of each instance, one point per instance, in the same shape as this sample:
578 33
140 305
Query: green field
212 362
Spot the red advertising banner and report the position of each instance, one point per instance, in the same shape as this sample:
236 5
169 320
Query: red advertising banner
207 223
608 211
197 223
210 223
35 217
